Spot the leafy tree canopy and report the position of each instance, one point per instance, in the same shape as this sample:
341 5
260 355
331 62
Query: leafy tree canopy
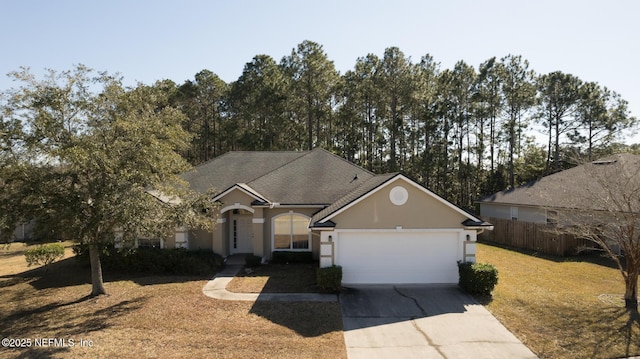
89 157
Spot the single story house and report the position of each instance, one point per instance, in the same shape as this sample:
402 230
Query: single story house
549 199
379 228
545 215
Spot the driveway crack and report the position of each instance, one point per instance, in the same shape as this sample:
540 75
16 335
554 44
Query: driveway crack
426 337
424 312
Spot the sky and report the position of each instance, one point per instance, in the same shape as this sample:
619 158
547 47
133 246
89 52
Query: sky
146 40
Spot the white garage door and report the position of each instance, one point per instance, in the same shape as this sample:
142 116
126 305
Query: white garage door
397 257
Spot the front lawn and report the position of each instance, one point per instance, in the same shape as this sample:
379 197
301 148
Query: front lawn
562 308
152 316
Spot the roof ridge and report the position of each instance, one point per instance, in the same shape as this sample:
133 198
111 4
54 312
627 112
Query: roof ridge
302 154
342 159
228 153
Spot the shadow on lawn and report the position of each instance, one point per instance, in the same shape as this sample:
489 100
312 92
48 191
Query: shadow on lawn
63 320
626 335
309 319
604 332
287 278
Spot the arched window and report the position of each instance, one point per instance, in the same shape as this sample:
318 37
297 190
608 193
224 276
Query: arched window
291 232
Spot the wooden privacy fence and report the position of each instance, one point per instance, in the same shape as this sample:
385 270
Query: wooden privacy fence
533 236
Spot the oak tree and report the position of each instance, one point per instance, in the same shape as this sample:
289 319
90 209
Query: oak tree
98 157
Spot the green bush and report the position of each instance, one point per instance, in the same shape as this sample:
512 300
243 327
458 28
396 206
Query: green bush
252 260
477 278
154 260
329 278
44 254
291 257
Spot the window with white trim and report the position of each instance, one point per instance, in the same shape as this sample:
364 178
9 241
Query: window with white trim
291 232
149 243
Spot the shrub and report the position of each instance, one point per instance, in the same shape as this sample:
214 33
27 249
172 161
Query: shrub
154 260
291 257
252 260
329 278
477 278
44 254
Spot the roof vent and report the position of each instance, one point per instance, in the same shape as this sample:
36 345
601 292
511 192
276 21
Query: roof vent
605 162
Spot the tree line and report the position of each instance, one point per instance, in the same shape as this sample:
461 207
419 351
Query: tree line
462 132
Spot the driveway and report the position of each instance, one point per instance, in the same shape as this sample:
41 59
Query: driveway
423 322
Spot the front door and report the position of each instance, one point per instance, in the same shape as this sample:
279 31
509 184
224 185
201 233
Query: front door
241 234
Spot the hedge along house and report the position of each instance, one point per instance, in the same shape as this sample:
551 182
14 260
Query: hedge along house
379 228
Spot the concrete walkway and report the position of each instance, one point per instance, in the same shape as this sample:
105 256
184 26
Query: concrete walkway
217 288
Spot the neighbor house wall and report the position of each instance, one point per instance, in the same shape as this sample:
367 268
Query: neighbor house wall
23 232
519 213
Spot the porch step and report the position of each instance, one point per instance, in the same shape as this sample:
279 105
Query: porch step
236 259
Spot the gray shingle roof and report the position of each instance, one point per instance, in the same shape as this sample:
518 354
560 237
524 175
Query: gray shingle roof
308 177
576 187
236 167
318 177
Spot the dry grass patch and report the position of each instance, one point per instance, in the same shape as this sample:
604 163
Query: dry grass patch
146 317
562 308
277 278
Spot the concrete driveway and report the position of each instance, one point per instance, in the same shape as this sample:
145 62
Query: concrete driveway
423 322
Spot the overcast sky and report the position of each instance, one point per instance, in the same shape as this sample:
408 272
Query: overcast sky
147 41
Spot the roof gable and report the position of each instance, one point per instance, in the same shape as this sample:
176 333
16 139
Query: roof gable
373 186
242 187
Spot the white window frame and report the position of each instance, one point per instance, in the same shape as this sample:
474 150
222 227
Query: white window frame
137 242
290 249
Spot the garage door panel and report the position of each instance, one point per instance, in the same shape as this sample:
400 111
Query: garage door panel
398 257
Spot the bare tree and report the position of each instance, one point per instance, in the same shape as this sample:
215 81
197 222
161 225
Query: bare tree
605 209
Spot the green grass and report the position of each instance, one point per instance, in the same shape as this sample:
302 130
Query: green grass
562 308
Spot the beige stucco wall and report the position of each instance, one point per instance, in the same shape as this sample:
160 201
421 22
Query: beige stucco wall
261 224
378 212
200 239
170 241
236 196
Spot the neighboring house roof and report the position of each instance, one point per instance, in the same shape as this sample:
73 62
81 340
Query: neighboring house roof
307 177
572 188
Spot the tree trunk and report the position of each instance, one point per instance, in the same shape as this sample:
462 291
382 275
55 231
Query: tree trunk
394 132
97 285
556 156
631 291
512 139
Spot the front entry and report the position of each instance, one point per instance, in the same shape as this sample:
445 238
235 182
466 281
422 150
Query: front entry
241 232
